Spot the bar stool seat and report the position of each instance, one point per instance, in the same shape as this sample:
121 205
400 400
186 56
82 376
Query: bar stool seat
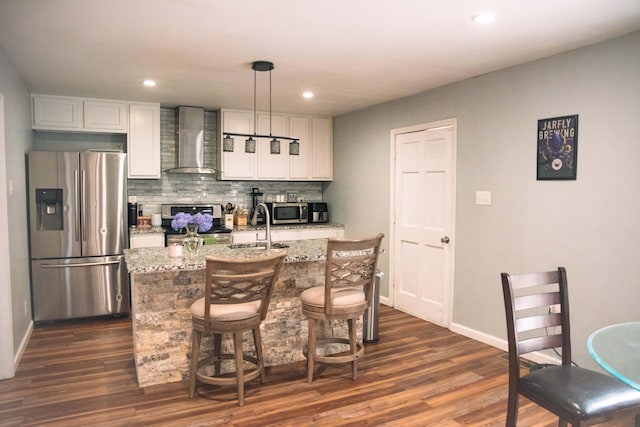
237 296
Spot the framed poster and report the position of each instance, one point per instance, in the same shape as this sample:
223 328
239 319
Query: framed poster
557 148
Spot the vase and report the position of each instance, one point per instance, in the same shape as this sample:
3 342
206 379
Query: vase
192 241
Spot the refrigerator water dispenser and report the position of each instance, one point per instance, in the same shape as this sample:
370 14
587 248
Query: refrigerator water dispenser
49 208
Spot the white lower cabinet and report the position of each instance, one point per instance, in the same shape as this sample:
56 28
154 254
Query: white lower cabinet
146 240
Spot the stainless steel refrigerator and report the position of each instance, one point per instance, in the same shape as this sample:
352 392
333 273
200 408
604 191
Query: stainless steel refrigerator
78 230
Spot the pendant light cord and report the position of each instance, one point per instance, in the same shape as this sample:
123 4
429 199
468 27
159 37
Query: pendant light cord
270 103
255 115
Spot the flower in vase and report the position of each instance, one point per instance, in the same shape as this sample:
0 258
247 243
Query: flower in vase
181 220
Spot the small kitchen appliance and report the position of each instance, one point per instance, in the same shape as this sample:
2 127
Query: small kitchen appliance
318 212
288 213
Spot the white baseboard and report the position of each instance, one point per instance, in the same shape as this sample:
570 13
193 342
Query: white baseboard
23 346
499 343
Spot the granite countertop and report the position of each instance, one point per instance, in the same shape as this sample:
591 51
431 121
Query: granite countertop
148 260
250 227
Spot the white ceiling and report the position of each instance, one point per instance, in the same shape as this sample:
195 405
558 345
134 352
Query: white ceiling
350 53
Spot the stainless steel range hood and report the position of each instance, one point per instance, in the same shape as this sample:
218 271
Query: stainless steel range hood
190 140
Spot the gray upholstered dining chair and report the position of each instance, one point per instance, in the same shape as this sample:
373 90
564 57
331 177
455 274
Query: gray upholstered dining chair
576 395
237 296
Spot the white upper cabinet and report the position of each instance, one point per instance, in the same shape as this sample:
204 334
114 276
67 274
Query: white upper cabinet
322 149
56 113
315 162
272 166
108 116
236 164
300 165
143 141
70 114
139 120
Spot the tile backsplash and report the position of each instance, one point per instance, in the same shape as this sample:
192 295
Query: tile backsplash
182 188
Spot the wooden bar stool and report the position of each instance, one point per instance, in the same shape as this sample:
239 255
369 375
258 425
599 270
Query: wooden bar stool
237 295
347 292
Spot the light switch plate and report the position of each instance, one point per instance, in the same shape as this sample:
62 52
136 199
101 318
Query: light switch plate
483 198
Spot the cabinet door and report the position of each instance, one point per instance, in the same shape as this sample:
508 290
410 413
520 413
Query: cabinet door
300 166
150 240
56 112
244 236
237 164
272 166
322 233
282 235
322 149
143 144
108 116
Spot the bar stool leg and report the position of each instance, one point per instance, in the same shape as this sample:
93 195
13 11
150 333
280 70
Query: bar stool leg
311 348
237 348
353 346
257 341
196 337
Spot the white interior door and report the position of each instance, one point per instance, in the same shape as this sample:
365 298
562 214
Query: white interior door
423 205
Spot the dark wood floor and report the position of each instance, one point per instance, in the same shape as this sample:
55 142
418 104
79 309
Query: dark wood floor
418 374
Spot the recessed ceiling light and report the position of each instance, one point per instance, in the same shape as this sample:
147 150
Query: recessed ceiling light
483 18
149 83
308 95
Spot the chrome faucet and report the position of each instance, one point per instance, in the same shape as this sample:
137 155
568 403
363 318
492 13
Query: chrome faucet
254 221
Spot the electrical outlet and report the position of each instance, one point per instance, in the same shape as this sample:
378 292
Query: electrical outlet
26 308
555 308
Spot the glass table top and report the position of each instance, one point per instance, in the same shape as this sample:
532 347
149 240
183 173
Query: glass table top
617 349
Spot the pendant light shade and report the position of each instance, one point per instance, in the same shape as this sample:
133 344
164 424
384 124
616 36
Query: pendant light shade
294 148
250 142
227 144
275 146
250 145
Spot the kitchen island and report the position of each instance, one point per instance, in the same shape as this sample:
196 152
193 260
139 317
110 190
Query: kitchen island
163 289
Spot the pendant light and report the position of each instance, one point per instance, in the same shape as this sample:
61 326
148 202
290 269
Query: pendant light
250 142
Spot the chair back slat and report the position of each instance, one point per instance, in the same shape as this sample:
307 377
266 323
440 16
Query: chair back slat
534 279
536 322
536 300
539 343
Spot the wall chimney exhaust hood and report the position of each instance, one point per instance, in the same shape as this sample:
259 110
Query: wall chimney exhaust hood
190 141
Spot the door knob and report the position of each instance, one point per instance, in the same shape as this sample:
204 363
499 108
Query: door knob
445 239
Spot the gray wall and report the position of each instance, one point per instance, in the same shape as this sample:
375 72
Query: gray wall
590 225
18 139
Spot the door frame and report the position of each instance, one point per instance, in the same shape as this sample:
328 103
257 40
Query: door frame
453 123
7 357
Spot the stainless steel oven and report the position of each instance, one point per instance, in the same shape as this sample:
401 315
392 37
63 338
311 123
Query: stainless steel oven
288 213
218 233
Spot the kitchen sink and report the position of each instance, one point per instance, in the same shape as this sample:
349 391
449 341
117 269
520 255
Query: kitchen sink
257 246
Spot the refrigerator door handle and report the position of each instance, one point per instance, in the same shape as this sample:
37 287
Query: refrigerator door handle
76 195
83 211
80 264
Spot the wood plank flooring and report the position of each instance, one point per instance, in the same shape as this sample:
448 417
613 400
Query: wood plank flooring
418 374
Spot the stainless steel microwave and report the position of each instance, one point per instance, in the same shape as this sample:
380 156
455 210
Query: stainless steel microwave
288 213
